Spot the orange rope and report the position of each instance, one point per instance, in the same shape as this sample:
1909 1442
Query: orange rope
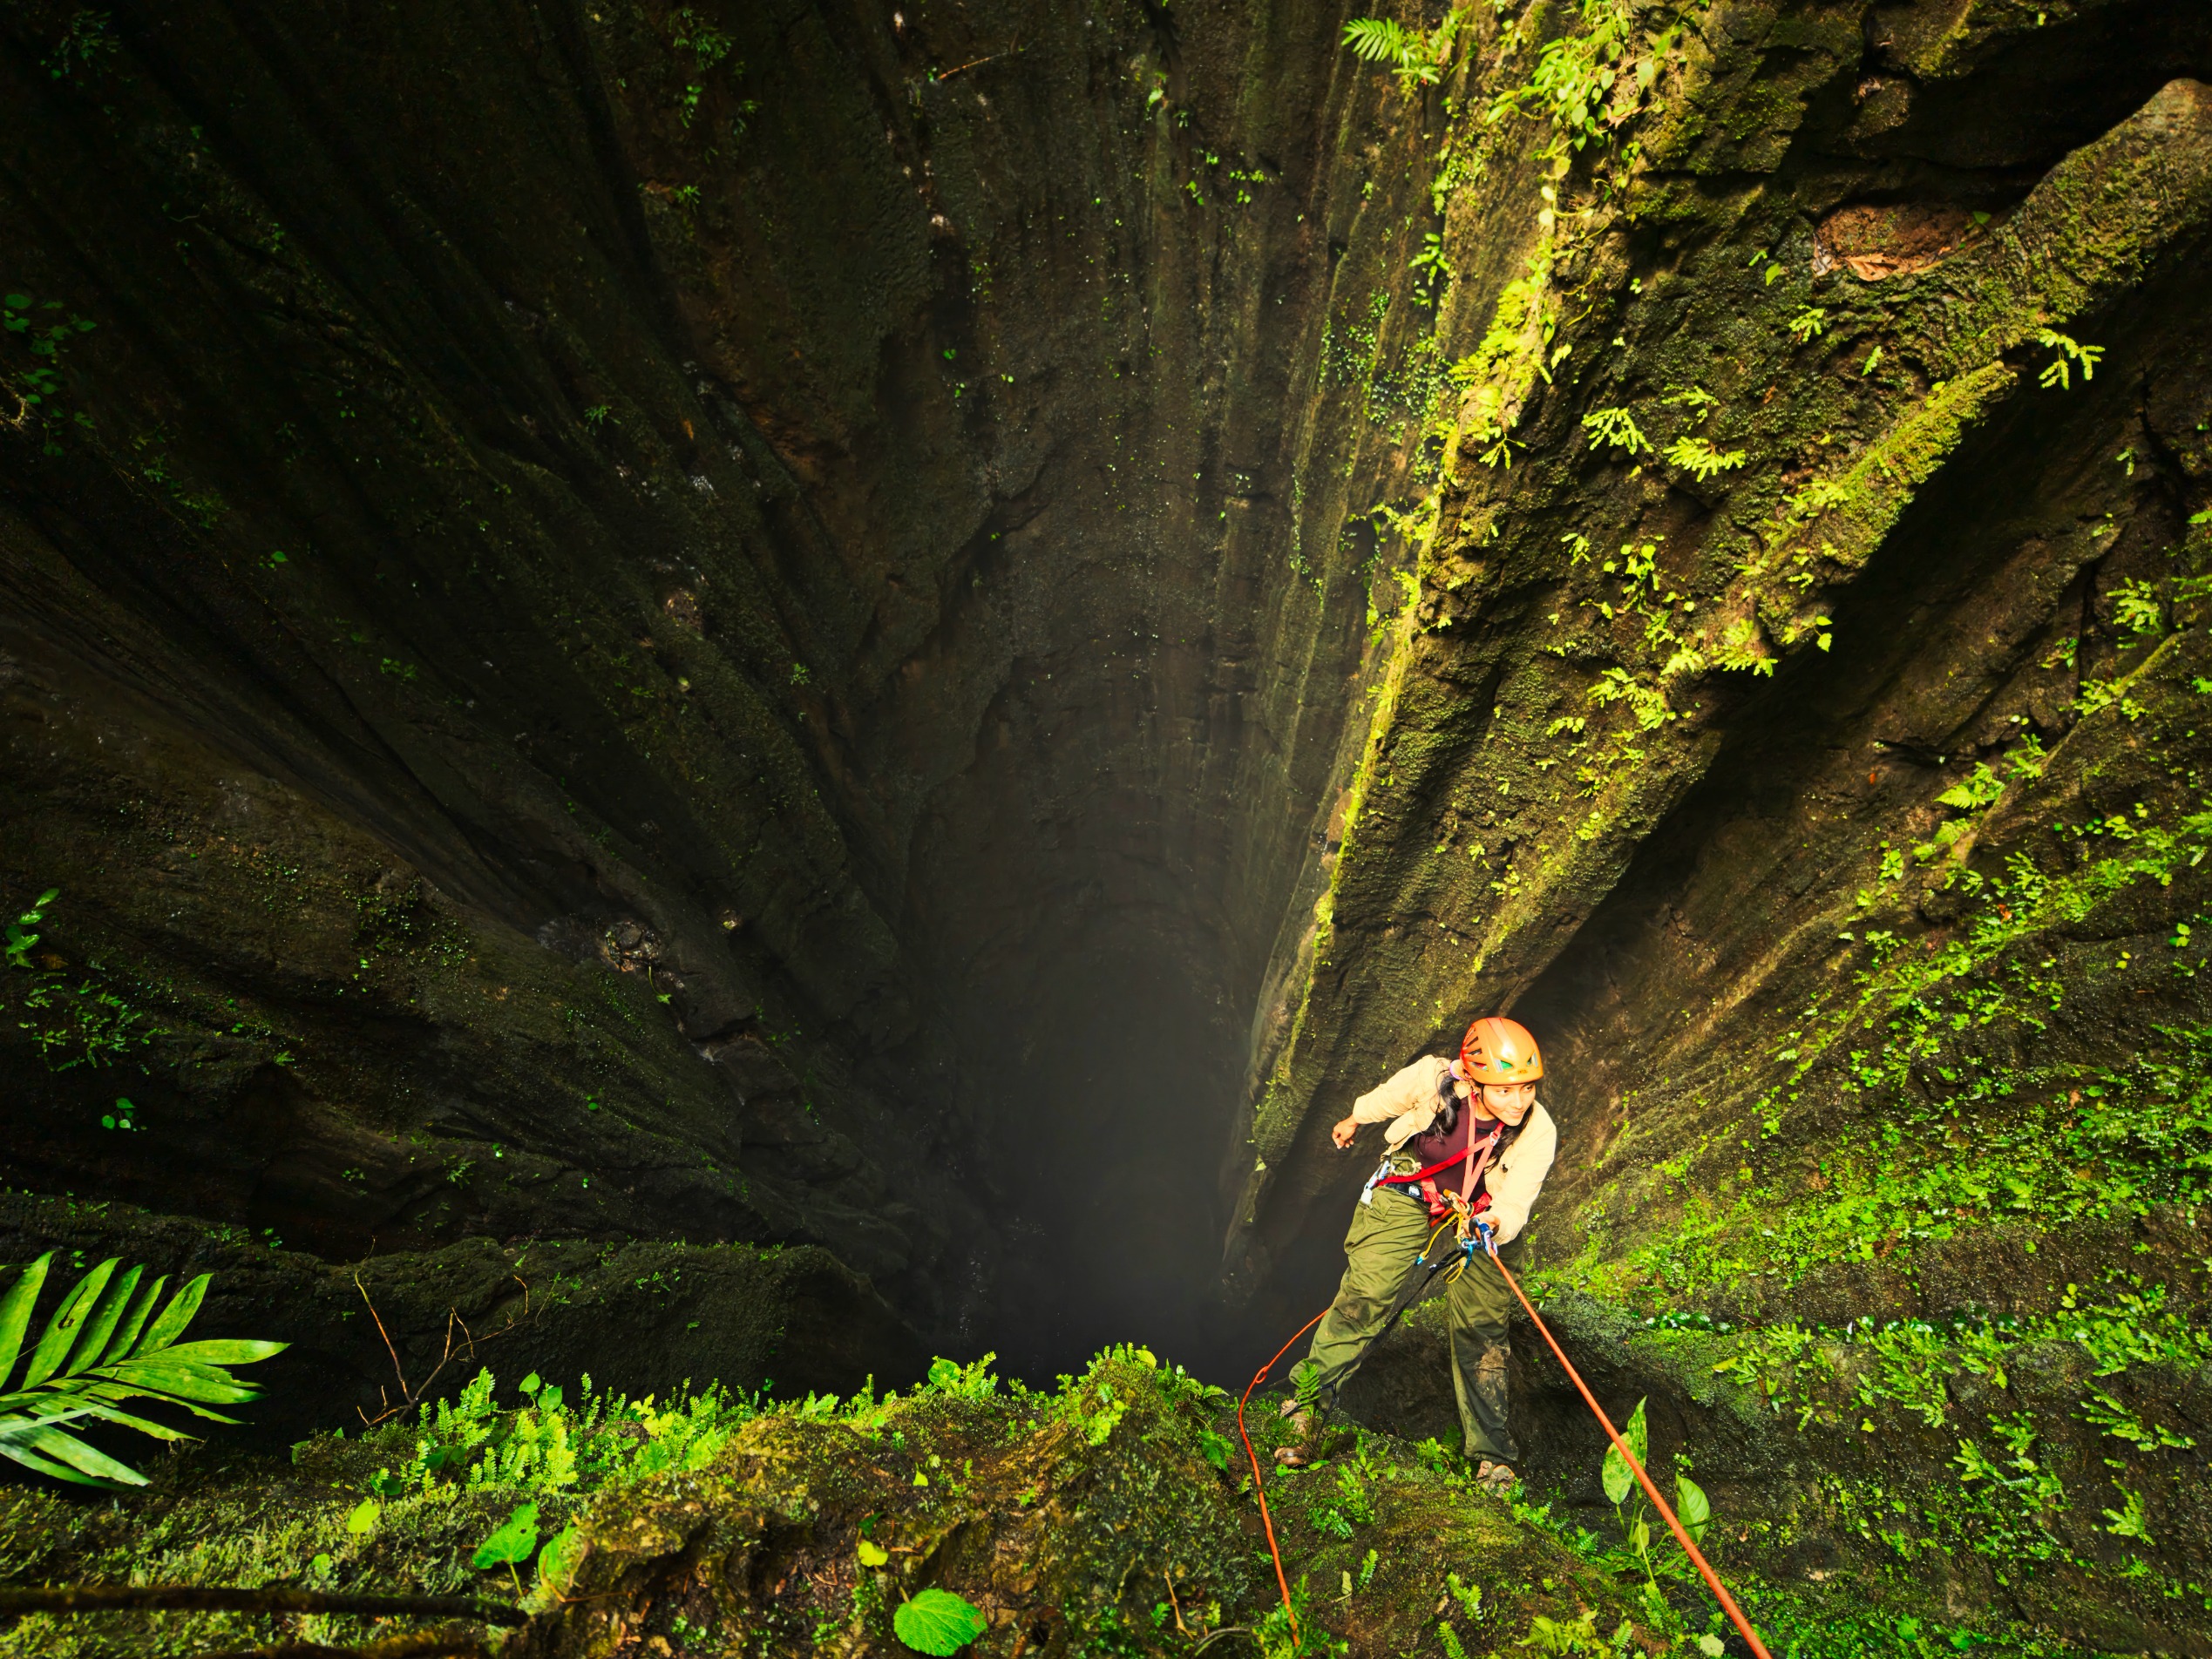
1259 1483
1712 1579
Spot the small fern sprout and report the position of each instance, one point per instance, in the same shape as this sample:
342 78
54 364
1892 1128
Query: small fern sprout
2060 370
1699 458
1617 428
1809 323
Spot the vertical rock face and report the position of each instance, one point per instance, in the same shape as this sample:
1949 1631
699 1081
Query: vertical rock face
684 622
1776 486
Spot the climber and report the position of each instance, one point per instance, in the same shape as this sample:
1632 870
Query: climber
1469 1130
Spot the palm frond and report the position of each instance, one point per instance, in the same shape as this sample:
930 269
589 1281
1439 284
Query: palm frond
1380 40
98 1348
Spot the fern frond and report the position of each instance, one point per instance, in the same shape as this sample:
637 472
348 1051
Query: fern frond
1380 40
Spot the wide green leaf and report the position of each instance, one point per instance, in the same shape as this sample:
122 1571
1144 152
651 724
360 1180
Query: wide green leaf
135 1321
515 1541
562 1560
1619 1479
83 1405
66 1397
69 1319
174 1317
19 1452
15 1312
938 1622
1690 1503
100 1325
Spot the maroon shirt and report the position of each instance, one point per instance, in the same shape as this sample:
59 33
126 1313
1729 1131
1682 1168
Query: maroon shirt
1447 1146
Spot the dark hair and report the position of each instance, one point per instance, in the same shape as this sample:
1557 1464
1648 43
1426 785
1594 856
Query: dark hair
1448 1111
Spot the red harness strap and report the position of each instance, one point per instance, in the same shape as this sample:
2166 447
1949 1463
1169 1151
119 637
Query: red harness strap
1476 1165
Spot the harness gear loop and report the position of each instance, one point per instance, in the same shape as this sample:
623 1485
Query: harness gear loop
1666 1512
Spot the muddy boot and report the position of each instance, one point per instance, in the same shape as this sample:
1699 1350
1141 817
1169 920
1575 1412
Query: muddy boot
1307 1426
1497 1477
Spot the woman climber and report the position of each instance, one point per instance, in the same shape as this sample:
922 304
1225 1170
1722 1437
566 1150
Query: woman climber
1468 1148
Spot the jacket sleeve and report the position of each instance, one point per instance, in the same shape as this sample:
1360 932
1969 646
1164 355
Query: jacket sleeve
1520 1174
1404 1091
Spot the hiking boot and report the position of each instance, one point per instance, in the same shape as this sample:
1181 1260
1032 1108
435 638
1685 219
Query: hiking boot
1499 1477
1308 1429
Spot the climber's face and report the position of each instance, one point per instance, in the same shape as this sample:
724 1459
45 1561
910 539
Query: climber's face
1508 1101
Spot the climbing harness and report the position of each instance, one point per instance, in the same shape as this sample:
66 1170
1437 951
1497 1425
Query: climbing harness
1473 1233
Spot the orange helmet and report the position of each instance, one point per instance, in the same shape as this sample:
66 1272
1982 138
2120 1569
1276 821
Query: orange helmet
1498 1050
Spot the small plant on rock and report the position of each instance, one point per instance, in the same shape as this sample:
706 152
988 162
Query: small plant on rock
938 1622
1415 57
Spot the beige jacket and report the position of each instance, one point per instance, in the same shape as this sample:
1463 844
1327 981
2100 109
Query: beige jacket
1408 1103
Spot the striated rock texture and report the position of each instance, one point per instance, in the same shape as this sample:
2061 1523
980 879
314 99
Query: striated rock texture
672 622
930 633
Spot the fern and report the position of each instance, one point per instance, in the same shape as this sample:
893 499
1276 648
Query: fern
1618 428
1695 456
2058 371
99 1347
1417 59
1809 323
1380 40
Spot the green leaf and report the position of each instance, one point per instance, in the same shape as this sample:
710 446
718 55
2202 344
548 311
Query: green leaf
362 1517
104 1318
938 1622
1217 1447
97 1467
208 1384
1690 1505
61 1330
174 1317
22 1454
563 1558
514 1542
15 1312
55 1409
135 1322
873 1554
223 1350
1619 1479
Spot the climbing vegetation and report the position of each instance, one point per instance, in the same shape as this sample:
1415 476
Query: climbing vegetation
1418 58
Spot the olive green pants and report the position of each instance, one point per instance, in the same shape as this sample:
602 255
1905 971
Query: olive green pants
1386 1236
